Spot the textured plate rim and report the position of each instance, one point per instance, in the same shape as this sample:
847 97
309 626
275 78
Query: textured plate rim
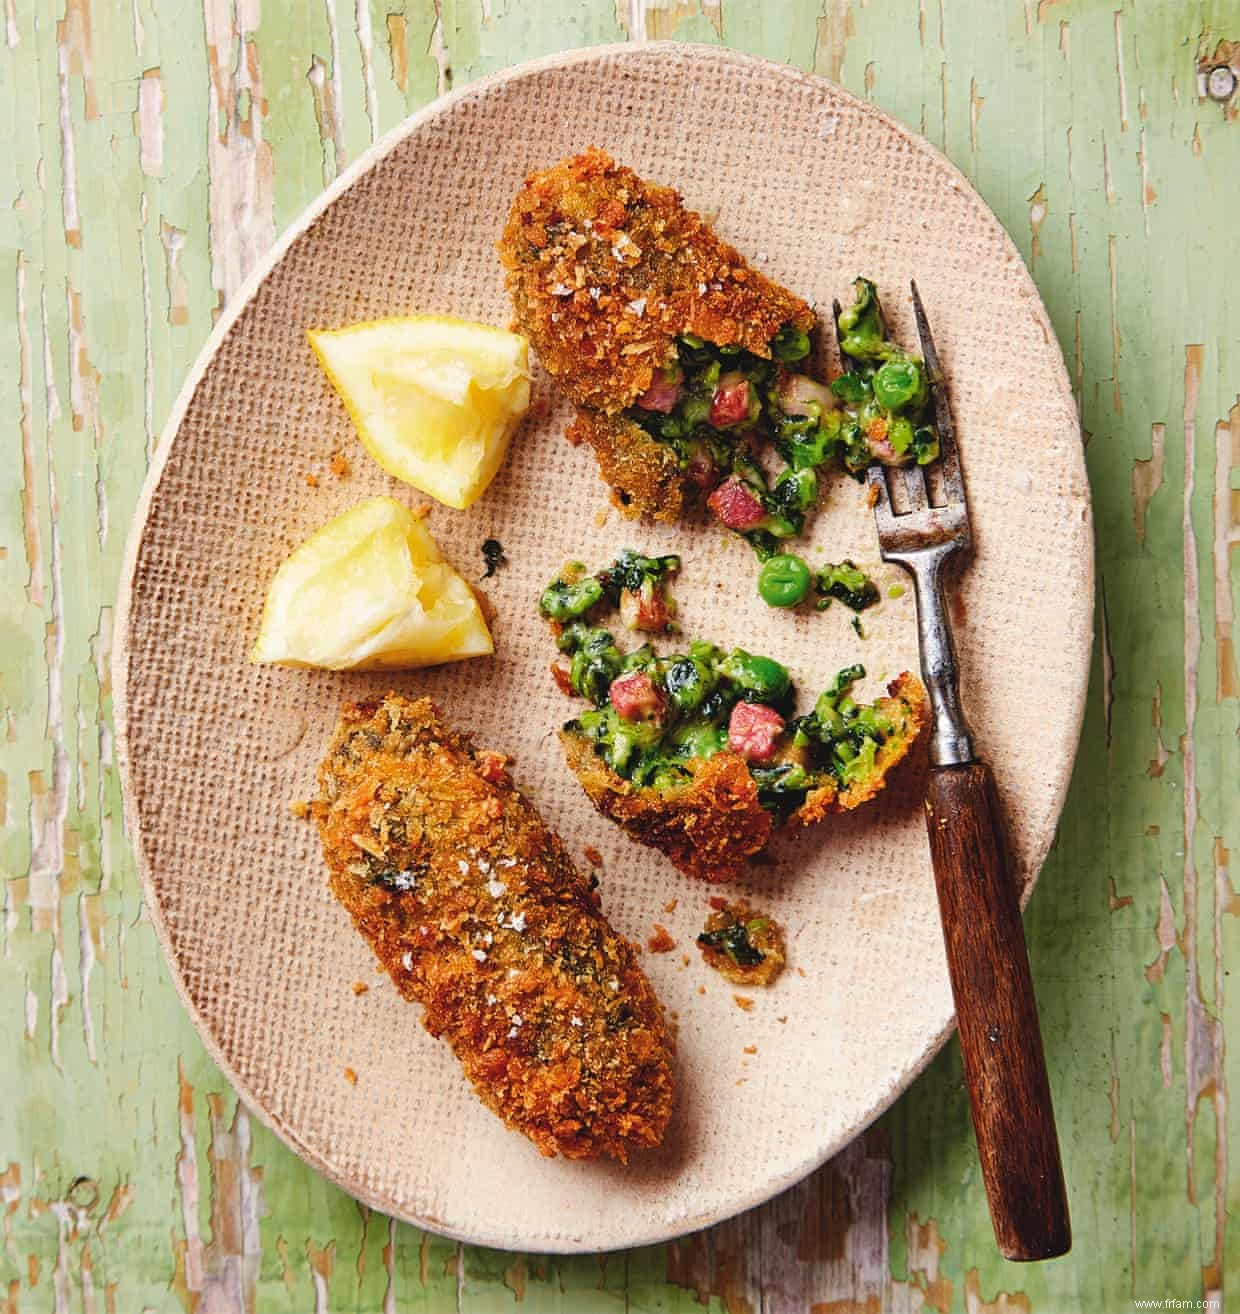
669 1228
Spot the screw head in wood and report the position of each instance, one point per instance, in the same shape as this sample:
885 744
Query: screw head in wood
1221 82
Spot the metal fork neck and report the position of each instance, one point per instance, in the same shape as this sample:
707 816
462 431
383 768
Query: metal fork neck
951 740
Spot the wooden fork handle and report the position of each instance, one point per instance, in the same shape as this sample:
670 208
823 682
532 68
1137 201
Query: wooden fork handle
1004 1067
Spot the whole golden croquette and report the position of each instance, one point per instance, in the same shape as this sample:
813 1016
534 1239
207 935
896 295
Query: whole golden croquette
474 908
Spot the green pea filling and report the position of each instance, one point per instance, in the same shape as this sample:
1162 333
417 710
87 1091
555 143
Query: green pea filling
851 586
696 691
884 410
885 391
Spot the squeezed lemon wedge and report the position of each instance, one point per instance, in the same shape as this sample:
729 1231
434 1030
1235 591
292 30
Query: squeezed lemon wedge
435 400
370 590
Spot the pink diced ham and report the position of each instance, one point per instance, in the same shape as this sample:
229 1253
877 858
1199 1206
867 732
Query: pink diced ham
663 393
635 698
735 504
730 403
753 731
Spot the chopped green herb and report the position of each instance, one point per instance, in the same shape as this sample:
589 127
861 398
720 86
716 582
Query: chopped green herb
852 586
734 941
493 556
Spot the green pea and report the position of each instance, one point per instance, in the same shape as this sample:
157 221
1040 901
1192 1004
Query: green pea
695 410
698 739
784 580
850 388
796 490
688 681
762 677
790 343
900 385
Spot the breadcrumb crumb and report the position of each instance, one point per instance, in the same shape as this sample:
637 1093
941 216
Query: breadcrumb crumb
661 941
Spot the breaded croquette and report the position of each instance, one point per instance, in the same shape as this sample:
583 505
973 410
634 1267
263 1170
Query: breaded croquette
609 275
711 815
474 908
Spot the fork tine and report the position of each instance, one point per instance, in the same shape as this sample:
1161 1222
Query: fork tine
915 487
884 516
949 462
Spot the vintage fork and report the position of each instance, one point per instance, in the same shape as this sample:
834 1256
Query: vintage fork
1000 1041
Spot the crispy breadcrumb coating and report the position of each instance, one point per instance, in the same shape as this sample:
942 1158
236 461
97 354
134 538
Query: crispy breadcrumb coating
605 271
644 475
474 908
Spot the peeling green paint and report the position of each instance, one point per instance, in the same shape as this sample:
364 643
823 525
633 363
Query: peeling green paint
1079 122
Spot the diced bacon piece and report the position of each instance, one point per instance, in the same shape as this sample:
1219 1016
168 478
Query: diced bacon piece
635 698
644 609
798 391
702 470
663 393
730 403
735 504
753 730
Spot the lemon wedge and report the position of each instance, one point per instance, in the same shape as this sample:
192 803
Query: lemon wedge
435 400
370 590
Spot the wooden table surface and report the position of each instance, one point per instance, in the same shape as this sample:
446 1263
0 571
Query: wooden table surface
154 149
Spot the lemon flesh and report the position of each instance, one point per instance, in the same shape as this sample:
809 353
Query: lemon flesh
435 400
370 591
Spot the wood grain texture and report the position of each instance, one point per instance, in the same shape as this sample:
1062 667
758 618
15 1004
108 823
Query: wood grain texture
129 1179
997 1015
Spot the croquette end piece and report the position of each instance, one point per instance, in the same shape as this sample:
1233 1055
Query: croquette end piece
908 708
709 827
585 1070
643 474
605 272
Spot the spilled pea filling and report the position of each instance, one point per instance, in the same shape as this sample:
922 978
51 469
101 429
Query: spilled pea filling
653 716
717 407
884 391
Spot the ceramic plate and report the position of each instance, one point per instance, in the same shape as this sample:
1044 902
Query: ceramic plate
815 187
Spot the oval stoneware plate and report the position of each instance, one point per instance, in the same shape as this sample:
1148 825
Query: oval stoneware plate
814 187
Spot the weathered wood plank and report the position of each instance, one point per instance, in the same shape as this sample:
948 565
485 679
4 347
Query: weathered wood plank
153 152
